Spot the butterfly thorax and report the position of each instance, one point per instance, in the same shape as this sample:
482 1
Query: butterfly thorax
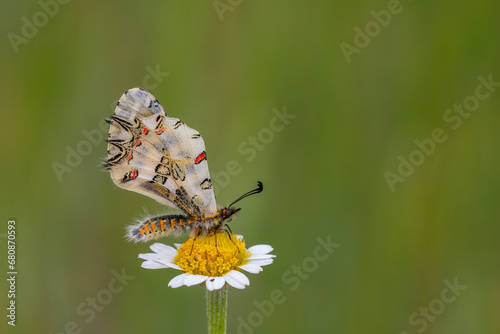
218 222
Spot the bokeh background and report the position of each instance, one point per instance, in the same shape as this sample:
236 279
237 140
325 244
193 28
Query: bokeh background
223 72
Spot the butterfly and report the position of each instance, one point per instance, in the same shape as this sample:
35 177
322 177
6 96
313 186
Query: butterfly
163 158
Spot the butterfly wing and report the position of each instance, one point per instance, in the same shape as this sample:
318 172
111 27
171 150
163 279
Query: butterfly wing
159 156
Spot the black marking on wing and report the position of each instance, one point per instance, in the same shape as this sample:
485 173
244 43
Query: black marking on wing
125 123
160 179
116 159
178 172
162 169
176 125
197 203
206 184
180 202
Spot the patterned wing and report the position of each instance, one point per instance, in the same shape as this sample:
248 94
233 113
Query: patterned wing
158 156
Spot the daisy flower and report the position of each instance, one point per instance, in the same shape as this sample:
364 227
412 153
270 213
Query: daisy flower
204 263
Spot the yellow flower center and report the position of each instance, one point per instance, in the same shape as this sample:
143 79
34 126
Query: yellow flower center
202 257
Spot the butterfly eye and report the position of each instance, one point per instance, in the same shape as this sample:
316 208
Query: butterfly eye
229 213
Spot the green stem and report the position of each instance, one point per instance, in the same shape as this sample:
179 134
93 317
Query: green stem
217 310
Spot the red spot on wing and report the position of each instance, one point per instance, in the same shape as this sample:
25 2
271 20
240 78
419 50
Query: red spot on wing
129 157
134 174
145 131
137 143
160 130
200 157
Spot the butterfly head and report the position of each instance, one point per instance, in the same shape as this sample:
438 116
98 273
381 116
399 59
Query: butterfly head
229 213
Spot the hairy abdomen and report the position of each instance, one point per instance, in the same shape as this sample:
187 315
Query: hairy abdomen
161 226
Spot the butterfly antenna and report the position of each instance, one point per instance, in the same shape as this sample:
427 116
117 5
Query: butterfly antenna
259 189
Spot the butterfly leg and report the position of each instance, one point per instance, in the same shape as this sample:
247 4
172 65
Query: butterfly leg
216 245
196 234
229 232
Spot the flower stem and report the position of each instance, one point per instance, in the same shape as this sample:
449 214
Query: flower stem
217 310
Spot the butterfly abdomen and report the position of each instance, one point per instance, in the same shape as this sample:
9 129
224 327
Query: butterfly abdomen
158 227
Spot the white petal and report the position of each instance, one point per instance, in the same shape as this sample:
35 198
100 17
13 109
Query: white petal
261 262
177 246
177 281
236 279
165 250
260 249
148 256
174 266
194 279
251 268
215 283
155 257
261 257
152 257
153 265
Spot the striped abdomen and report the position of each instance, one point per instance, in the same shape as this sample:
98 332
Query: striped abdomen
161 226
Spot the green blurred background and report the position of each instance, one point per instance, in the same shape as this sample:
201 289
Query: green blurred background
324 173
